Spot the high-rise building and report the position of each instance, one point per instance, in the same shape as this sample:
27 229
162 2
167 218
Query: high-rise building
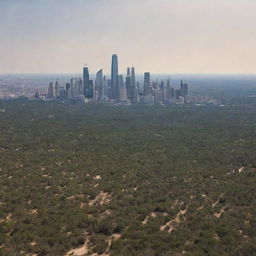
148 91
183 89
133 79
91 89
134 90
131 85
50 92
109 88
105 87
76 87
62 93
98 85
80 86
147 83
128 84
128 71
87 89
114 77
162 91
68 91
122 88
56 89
71 87
177 93
104 96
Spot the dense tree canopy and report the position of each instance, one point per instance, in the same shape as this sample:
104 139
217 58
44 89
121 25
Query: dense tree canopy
137 180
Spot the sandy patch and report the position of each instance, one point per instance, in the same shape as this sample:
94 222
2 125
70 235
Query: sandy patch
218 215
58 163
218 200
153 215
172 224
110 241
80 251
200 208
33 212
6 219
87 246
100 199
145 221
241 169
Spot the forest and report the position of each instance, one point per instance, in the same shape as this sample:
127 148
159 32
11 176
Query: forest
127 181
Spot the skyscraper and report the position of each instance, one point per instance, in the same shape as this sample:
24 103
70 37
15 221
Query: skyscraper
146 83
183 89
98 85
104 96
76 87
133 86
148 91
122 88
87 89
128 84
80 86
109 89
128 71
114 77
50 92
57 87
133 80
68 90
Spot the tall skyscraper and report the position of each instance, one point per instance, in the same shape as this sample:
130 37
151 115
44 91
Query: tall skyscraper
87 89
128 71
146 83
56 88
133 80
98 85
50 92
76 87
109 88
68 90
72 87
80 86
168 92
104 96
148 91
114 77
122 88
105 87
128 84
133 86
183 89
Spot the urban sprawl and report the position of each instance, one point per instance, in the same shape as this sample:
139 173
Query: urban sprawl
114 90
117 90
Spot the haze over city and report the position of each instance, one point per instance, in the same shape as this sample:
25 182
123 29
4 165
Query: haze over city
177 36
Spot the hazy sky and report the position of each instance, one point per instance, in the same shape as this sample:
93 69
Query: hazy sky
160 36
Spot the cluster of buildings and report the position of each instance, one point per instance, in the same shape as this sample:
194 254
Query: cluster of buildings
118 89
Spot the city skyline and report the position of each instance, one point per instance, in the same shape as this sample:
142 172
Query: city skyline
178 36
117 89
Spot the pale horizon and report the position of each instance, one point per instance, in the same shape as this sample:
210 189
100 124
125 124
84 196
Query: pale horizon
159 36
